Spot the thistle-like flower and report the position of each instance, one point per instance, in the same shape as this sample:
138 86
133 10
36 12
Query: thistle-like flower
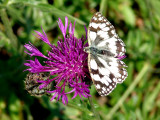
67 61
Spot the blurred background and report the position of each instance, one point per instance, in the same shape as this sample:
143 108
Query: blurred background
137 22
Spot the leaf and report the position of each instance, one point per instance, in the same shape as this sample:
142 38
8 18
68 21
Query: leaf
49 8
4 41
14 107
57 12
129 15
15 14
130 72
149 100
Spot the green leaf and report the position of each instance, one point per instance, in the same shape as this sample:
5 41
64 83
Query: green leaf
149 102
129 15
49 8
4 41
14 107
57 12
130 72
15 14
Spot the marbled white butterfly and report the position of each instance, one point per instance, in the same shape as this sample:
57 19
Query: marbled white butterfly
104 55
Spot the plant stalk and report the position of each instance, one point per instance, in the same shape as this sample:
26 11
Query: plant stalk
128 91
96 114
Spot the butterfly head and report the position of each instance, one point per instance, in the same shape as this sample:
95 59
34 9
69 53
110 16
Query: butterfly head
86 49
92 50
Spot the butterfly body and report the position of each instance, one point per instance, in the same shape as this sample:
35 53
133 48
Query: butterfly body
94 51
105 47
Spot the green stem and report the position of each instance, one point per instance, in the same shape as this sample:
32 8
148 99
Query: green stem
78 108
150 12
128 91
96 114
103 7
8 29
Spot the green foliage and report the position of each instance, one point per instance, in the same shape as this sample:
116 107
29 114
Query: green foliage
138 25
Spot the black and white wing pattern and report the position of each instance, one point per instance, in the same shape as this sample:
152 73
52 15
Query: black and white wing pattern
105 49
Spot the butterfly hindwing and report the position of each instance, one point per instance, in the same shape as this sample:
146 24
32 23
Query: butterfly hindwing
103 79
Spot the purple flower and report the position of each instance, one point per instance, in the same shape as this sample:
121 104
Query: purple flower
121 57
80 89
67 61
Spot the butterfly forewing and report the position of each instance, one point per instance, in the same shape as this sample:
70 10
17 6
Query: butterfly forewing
105 68
101 33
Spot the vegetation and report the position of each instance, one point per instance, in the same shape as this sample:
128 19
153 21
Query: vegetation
137 22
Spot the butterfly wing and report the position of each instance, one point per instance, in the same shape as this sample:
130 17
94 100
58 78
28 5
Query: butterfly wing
106 70
102 78
101 33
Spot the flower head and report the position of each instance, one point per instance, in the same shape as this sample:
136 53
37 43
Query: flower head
67 60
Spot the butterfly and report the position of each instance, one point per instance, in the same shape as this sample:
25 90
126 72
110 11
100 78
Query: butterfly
104 55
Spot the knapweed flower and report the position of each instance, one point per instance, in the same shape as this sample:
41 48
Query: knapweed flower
67 61
32 84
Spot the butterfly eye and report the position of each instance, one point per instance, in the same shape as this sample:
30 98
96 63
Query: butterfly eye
103 52
86 49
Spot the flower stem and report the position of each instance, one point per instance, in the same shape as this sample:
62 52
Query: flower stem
103 6
129 90
96 114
